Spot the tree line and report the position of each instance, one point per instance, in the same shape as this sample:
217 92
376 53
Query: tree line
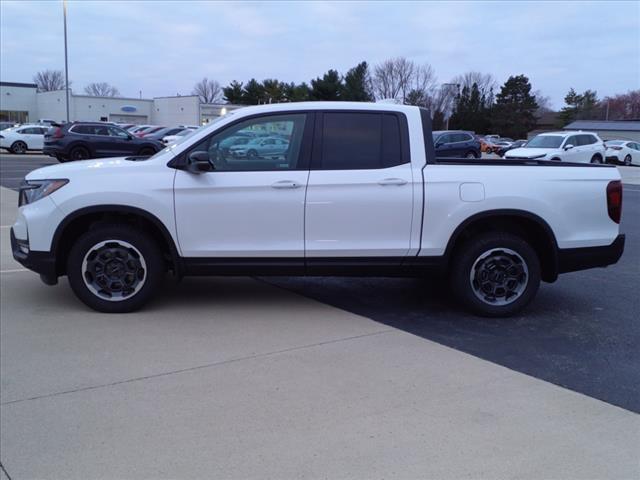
471 101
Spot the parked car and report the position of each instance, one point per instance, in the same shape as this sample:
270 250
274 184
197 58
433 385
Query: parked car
261 147
623 151
178 137
365 180
138 128
46 121
163 132
5 125
83 140
456 143
510 146
126 126
583 147
23 138
148 131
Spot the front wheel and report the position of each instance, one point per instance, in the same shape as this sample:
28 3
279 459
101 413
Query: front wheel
495 274
627 160
146 152
471 155
115 268
19 147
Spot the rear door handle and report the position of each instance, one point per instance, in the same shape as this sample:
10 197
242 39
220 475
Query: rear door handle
286 184
392 181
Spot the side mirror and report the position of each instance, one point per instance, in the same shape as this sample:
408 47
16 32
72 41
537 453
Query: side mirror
568 147
198 162
438 144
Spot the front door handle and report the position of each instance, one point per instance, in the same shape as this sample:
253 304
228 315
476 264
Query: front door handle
286 184
392 181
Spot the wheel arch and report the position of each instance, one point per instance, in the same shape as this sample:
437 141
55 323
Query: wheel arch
527 225
82 220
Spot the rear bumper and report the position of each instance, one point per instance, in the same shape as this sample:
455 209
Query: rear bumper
574 259
43 263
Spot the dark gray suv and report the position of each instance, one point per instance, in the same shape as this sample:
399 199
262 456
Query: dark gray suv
84 140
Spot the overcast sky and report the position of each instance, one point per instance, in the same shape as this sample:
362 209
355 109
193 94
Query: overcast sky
164 47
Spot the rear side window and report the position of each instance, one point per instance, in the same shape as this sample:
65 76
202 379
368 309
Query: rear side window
360 141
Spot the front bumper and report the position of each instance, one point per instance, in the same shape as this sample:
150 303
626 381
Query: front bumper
574 259
43 263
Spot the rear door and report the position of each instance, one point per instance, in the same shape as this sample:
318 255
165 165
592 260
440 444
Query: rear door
360 191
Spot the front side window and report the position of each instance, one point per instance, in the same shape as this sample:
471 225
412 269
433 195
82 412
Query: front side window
359 140
572 141
251 146
118 132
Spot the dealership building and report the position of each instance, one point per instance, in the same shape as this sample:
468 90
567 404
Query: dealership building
22 103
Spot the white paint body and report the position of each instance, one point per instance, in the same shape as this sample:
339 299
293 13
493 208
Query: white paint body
386 212
24 133
621 150
569 149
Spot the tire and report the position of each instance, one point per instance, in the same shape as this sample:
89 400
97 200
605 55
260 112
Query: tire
470 154
146 151
596 158
115 268
252 154
18 147
79 153
495 253
627 160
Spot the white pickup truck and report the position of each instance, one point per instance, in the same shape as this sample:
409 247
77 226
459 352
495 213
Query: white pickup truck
330 188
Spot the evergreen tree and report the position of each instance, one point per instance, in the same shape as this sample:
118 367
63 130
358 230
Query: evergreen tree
253 93
569 113
297 93
233 93
274 91
514 111
357 84
329 87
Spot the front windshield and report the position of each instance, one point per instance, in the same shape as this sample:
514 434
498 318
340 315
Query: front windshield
545 141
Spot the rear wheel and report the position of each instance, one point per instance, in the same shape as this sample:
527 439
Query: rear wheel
146 151
252 154
18 147
495 274
79 153
627 160
596 159
470 154
115 268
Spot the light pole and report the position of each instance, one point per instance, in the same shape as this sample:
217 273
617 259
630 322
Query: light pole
457 85
66 60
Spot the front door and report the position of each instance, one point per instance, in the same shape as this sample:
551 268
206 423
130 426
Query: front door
360 192
249 206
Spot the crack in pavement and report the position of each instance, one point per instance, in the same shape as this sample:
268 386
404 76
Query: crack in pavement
200 367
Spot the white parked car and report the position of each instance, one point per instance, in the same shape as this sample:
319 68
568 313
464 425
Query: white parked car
579 147
623 151
178 137
23 138
357 192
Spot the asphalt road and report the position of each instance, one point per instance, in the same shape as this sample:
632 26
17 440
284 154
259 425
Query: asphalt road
581 332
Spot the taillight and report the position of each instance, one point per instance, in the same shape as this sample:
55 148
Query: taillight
614 200
58 133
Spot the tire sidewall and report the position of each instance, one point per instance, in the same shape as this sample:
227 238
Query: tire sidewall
79 149
13 147
145 245
627 160
466 255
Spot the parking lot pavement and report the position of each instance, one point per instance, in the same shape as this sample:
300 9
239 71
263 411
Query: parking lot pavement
236 378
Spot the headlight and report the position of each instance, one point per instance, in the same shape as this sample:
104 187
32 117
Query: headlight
32 190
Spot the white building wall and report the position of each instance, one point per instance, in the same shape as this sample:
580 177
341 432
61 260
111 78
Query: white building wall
52 105
22 99
93 109
170 111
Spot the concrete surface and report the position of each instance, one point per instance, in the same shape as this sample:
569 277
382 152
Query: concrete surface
235 378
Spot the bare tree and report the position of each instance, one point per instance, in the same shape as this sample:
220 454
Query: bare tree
404 80
209 91
49 80
485 82
392 78
544 103
101 89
